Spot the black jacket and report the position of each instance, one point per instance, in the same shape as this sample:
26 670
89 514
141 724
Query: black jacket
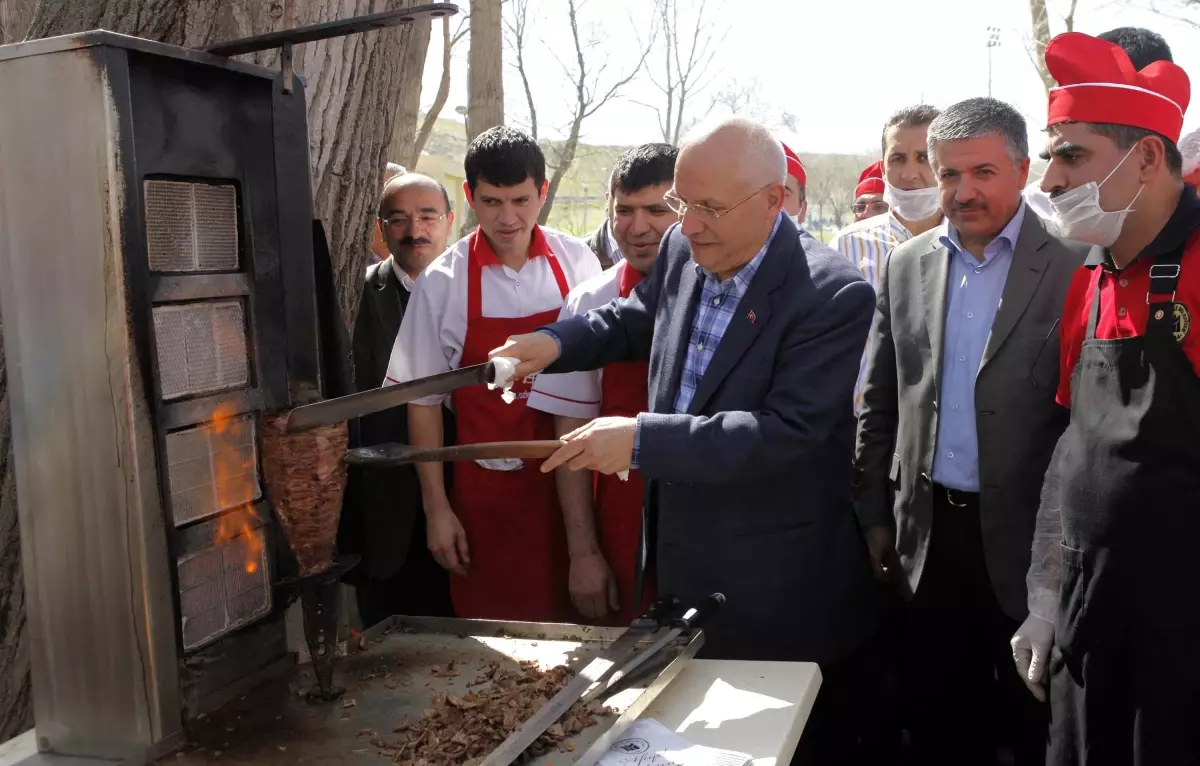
381 504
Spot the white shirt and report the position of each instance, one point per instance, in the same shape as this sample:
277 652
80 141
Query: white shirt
577 394
405 280
434 328
867 244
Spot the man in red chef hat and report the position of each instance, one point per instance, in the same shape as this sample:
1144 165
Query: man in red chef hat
1111 583
795 203
868 195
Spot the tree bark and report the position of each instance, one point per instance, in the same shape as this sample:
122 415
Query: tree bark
485 81
408 108
354 84
485 68
1041 38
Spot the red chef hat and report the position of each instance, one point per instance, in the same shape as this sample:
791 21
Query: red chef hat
795 167
1097 83
870 181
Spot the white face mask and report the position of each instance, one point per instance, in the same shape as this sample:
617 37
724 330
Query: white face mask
1078 215
914 205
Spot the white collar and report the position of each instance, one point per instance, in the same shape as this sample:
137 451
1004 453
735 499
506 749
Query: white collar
614 250
403 276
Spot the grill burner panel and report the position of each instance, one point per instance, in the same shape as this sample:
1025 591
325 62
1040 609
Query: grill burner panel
201 348
191 227
210 470
217 594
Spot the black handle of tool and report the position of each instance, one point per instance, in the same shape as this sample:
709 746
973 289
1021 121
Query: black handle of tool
657 614
698 615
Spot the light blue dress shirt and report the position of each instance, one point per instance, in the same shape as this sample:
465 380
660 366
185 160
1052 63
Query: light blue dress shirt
973 294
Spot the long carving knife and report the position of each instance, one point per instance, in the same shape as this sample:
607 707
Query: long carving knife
690 620
332 411
402 454
596 671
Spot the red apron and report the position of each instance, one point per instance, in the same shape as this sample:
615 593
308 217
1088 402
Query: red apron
517 542
619 503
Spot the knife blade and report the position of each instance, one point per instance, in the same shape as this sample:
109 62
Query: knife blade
402 454
374 400
690 620
596 671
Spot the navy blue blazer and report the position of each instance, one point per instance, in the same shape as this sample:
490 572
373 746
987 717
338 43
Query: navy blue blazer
749 491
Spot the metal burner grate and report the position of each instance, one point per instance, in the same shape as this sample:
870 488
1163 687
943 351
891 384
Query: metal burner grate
223 588
212 469
201 348
191 227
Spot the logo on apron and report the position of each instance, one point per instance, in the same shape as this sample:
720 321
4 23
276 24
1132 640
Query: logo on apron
1181 322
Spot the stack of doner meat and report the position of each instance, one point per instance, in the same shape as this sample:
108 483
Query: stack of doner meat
456 731
306 479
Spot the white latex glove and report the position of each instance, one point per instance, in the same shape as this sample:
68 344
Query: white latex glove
505 367
1031 652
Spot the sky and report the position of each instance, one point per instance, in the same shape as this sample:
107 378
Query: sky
841 67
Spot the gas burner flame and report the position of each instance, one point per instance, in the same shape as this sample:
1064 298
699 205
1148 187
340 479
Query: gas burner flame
233 473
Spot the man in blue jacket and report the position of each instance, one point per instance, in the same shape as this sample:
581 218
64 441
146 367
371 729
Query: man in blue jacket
754 336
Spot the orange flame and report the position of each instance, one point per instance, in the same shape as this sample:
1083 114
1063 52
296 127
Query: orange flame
235 477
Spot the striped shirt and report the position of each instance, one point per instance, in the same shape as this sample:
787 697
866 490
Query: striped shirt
718 303
867 244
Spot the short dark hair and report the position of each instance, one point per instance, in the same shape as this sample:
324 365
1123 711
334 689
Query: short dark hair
908 117
1125 136
642 167
504 156
1141 45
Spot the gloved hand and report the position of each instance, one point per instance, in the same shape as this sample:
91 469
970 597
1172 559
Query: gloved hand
1031 652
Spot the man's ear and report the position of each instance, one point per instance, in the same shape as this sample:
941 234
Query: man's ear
545 188
467 193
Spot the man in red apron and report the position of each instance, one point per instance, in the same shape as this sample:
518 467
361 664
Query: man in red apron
602 513
1111 581
502 535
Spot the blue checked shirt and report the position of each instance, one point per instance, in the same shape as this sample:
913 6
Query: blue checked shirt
718 304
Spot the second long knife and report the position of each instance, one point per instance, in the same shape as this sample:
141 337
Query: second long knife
402 454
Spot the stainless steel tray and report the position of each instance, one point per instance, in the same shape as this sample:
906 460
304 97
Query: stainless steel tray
392 676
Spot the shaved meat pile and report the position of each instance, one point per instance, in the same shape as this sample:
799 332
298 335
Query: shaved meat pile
458 730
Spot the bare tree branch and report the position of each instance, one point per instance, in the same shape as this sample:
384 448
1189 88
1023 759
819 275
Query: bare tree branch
439 100
688 55
590 97
517 29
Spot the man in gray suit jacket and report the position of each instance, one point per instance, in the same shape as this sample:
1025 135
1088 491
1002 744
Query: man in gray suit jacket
959 422
752 334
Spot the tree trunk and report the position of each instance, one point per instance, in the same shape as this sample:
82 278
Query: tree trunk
1041 38
485 67
408 108
354 84
485 81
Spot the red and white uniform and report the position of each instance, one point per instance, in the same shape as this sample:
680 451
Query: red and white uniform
618 390
465 304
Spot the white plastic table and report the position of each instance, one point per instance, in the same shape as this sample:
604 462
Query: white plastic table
758 708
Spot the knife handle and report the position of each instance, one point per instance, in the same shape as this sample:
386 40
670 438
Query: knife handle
698 615
658 613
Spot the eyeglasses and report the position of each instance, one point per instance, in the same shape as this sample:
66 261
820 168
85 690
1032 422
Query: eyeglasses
681 208
878 208
403 221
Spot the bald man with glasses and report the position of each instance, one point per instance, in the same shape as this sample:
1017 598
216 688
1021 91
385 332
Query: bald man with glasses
753 335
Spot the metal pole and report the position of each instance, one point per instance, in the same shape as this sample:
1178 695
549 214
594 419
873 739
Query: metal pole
993 41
